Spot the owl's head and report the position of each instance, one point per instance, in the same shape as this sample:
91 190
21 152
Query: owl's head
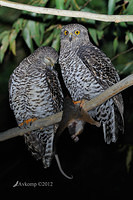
46 55
74 33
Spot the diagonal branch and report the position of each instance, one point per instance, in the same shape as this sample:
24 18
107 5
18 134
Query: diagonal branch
56 118
68 13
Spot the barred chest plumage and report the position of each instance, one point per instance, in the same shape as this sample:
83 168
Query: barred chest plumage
77 77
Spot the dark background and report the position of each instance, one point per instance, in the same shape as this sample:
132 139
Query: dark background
98 169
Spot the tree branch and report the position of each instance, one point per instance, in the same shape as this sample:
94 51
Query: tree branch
68 13
56 118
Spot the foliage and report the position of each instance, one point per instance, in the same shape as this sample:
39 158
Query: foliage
37 30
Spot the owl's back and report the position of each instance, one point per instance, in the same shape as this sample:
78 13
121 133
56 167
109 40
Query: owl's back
35 92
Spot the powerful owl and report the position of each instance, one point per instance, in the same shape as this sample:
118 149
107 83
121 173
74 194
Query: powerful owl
87 72
34 93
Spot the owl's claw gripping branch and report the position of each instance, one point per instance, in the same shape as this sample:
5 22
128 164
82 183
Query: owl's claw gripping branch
81 102
27 122
77 102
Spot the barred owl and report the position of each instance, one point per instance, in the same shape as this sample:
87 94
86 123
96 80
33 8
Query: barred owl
34 93
87 72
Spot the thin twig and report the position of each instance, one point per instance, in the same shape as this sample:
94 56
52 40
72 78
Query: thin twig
85 5
121 53
56 118
68 13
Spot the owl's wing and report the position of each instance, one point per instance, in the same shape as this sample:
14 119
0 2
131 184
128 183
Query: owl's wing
99 65
102 70
55 89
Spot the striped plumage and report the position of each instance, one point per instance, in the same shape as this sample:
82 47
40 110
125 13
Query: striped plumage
35 92
87 72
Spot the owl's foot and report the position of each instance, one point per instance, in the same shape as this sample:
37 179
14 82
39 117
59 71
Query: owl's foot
77 102
27 123
81 102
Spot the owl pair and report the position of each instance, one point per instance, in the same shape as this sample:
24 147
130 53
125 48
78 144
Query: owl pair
35 91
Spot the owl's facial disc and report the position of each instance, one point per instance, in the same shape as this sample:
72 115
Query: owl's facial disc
74 34
71 35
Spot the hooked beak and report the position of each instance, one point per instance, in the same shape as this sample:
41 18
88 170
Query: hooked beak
70 37
50 67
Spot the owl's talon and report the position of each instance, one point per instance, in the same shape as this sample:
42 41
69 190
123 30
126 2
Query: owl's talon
77 102
27 123
81 102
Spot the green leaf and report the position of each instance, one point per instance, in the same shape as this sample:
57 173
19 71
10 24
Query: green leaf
41 31
100 34
34 31
12 41
123 24
130 35
75 5
56 41
48 40
111 7
59 4
3 34
38 2
27 38
67 4
93 34
50 28
115 44
4 46
129 9
126 38
18 25
13 47
13 35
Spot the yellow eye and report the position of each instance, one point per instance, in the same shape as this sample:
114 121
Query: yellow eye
77 32
66 32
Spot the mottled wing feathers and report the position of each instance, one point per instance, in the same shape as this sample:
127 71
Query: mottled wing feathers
55 89
99 65
102 69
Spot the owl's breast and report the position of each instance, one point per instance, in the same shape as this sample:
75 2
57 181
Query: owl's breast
78 78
